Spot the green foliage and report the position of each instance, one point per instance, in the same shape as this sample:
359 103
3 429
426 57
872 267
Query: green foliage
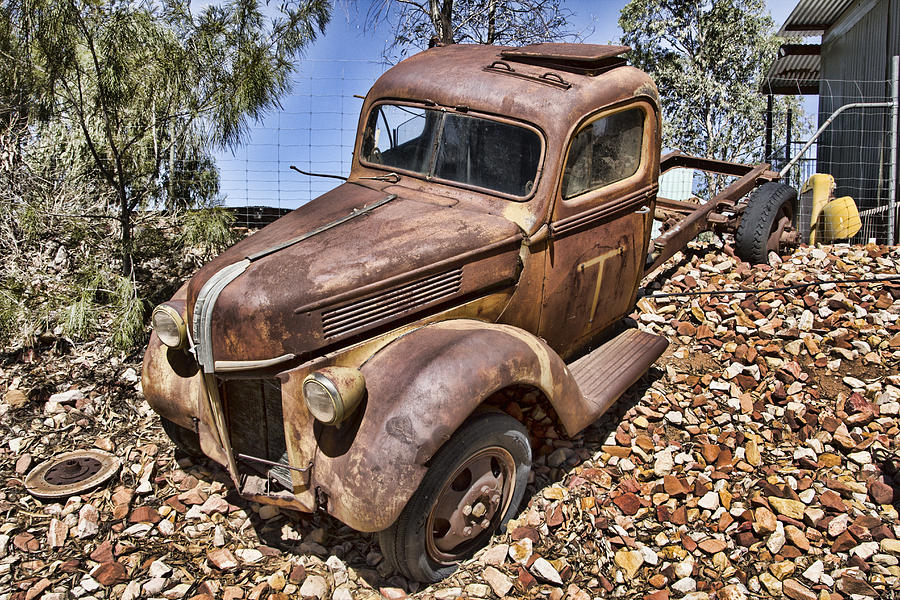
112 110
128 314
708 58
209 230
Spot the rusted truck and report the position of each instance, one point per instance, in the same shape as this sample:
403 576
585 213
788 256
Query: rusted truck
492 232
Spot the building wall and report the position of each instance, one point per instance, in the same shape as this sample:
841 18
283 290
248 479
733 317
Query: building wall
856 67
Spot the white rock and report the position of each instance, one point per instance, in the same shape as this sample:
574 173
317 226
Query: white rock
132 591
543 569
684 569
88 519
342 593
165 527
314 586
664 463
154 586
159 569
814 572
709 501
865 550
89 584
177 592
685 585
650 555
776 540
890 409
674 417
854 383
249 556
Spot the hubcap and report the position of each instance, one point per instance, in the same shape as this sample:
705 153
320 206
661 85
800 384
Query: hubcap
780 225
71 473
471 504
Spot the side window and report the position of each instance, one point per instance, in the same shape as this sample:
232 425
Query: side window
605 151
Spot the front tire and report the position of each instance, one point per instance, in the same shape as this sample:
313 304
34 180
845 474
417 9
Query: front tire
770 210
474 485
184 439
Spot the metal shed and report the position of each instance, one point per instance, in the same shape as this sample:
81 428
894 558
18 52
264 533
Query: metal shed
852 64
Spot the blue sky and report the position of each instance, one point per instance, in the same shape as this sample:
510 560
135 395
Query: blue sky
316 126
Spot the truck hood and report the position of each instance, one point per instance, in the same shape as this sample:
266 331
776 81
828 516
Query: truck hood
284 302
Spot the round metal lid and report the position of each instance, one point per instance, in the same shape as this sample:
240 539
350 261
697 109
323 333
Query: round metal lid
71 473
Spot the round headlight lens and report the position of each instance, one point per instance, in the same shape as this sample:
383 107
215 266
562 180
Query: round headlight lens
169 326
320 401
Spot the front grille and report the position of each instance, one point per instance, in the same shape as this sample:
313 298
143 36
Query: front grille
256 425
391 303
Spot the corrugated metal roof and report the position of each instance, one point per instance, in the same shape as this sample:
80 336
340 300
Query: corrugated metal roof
813 17
796 70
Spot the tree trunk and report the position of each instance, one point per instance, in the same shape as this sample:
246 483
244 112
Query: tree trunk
441 14
126 239
492 21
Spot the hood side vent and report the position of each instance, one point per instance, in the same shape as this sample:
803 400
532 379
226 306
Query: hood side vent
391 303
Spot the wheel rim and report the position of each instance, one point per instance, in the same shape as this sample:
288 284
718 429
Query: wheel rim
782 222
470 505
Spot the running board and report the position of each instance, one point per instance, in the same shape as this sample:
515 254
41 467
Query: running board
605 374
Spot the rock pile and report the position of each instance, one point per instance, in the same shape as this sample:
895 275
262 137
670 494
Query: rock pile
759 458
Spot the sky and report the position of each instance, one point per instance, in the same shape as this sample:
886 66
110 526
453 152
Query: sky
315 127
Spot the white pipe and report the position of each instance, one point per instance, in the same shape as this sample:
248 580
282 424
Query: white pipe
825 125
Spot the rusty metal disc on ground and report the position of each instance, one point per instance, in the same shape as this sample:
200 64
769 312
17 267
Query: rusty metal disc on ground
71 473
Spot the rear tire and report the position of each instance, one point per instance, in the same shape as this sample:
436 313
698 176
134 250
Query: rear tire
770 209
484 465
184 439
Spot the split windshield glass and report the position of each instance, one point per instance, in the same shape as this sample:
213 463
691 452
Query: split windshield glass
454 147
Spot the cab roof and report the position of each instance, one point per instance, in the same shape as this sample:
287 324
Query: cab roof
549 85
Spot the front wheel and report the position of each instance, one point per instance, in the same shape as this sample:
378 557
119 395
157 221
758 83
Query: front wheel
769 213
474 485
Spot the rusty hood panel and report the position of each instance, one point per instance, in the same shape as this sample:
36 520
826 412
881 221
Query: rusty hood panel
257 317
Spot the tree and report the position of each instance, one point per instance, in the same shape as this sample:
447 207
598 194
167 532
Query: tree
147 88
420 23
708 58
110 107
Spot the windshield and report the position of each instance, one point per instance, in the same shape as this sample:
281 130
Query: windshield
460 148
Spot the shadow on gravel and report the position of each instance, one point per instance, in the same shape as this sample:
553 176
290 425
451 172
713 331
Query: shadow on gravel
320 535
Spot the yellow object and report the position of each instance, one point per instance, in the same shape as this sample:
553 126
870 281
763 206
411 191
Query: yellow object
829 219
820 186
841 219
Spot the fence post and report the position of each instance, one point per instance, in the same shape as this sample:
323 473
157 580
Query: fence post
892 184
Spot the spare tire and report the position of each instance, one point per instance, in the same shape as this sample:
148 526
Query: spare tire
770 209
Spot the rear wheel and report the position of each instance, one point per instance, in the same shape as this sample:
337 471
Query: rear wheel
769 213
474 485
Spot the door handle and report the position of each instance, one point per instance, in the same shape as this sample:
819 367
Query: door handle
642 210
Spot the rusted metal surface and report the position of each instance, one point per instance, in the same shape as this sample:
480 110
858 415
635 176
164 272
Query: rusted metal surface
605 374
441 294
673 240
71 473
421 388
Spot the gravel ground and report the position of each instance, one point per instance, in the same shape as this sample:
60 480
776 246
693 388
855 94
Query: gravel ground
758 458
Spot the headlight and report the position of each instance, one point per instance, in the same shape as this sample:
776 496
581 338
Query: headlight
333 393
169 326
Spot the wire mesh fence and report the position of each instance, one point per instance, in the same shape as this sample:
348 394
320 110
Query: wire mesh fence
317 126
315 130
857 144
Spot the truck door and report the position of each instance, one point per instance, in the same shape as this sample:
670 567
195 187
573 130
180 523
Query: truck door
600 225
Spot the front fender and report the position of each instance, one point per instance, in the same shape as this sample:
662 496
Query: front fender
420 389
